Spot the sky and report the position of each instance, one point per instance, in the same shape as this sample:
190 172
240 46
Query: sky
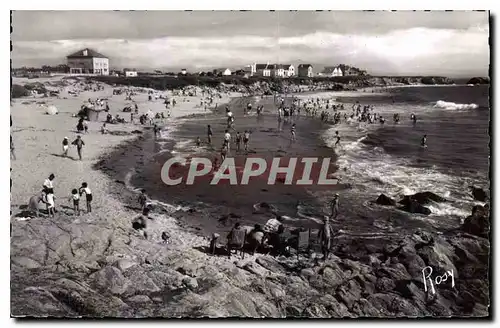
452 43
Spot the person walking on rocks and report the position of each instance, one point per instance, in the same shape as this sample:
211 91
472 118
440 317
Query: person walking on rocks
48 184
65 146
325 238
334 206
143 199
78 142
84 189
34 201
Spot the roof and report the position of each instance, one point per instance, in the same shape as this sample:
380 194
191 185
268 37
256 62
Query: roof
305 65
90 54
330 69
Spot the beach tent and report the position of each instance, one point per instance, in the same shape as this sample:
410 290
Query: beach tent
51 110
93 114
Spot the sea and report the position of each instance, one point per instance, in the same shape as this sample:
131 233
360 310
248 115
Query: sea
373 159
388 158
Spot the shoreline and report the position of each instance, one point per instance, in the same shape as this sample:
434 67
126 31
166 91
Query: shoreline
209 203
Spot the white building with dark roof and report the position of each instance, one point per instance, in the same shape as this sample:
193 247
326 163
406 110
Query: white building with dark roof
88 61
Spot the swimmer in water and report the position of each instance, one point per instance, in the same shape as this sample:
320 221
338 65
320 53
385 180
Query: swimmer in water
424 141
414 119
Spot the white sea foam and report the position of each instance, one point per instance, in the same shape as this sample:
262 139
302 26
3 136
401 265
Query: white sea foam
454 106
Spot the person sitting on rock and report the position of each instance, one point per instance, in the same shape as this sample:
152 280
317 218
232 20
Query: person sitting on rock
34 201
232 242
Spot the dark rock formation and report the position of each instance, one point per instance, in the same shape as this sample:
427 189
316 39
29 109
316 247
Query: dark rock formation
385 200
422 198
479 80
413 206
478 223
479 194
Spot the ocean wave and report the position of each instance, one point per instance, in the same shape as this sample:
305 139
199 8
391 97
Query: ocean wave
454 106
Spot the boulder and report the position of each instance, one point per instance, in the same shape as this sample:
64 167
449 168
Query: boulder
477 225
385 200
190 283
124 264
412 206
422 198
110 278
479 194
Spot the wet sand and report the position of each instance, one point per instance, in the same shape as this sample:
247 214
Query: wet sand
213 202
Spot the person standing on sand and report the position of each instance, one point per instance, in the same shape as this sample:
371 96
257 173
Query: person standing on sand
227 140
12 148
223 153
334 207
156 131
78 142
65 146
209 134
84 189
75 197
246 139
292 131
238 141
85 126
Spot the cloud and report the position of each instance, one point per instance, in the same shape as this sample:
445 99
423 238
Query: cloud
413 51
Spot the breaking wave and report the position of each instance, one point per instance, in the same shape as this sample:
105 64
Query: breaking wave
454 106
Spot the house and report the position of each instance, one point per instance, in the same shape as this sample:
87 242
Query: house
332 71
131 73
305 70
222 72
274 70
88 61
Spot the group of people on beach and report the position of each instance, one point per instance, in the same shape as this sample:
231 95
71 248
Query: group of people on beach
272 236
47 197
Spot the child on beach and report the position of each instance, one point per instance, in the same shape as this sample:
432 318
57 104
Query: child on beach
65 146
88 195
198 142
143 198
50 203
86 127
75 197
104 130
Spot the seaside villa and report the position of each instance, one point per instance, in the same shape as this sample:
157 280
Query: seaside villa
272 70
88 61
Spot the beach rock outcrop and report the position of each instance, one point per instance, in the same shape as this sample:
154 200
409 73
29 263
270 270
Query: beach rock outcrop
478 223
413 206
385 200
479 80
422 198
479 194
